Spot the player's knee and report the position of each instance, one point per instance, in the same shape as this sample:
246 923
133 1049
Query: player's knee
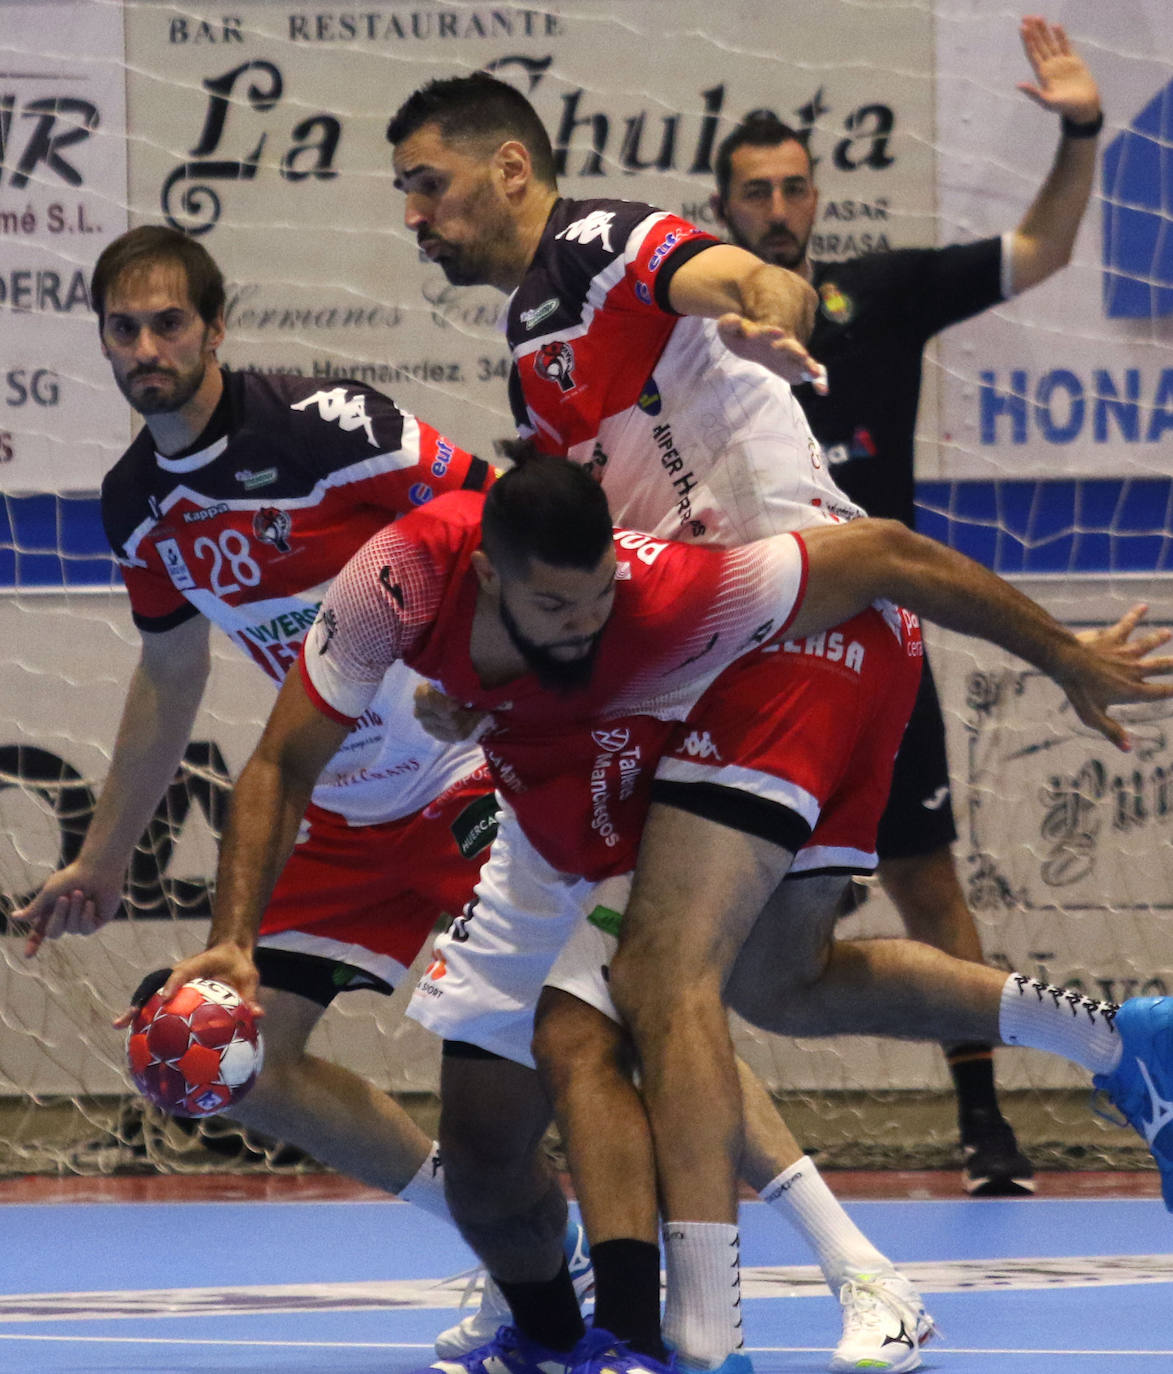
574 1041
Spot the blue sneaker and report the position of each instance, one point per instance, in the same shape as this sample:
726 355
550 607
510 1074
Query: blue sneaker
599 1352
479 1327
1141 1086
509 1352
604 1354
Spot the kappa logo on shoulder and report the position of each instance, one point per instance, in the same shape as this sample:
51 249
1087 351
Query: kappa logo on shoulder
595 225
348 412
555 362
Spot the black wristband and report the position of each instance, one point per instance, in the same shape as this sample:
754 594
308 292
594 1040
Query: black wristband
1089 130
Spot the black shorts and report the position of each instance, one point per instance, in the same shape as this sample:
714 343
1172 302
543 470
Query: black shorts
313 977
919 816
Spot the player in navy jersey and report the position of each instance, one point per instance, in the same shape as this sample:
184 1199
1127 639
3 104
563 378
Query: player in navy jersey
240 497
875 316
574 639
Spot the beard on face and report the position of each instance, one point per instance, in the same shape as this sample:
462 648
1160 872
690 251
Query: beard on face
472 263
777 246
555 674
154 400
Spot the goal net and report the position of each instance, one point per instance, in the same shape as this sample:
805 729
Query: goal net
1043 448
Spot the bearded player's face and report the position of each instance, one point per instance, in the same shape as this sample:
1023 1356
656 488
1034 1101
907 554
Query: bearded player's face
157 344
772 201
555 616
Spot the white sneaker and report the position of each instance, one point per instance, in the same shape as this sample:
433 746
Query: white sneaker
884 1324
479 1327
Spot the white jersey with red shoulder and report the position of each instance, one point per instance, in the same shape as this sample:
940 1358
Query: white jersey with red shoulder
289 478
689 441
576 766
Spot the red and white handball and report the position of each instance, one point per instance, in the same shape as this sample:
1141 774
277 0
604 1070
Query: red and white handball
196 1054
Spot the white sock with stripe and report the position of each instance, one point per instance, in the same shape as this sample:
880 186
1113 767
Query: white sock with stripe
702 1314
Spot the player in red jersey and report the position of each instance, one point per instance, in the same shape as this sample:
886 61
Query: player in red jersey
573 639
617 363
239 498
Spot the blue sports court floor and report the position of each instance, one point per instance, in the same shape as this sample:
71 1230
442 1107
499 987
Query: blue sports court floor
267 1286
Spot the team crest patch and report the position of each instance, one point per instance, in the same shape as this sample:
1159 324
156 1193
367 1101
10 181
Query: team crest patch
271 525
837 305
555 362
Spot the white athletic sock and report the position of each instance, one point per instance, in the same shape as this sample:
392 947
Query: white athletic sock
426 1189
702 1314
800 1194
1044 1017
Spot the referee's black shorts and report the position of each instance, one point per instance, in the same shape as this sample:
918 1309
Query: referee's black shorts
919 815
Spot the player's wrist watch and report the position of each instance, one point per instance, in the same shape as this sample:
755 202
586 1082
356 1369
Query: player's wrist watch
1082 129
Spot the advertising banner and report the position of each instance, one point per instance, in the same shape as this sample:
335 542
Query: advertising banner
63 150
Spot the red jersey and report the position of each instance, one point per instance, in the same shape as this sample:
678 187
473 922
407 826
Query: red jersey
576 766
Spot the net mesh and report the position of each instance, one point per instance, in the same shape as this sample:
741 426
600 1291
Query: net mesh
1042 445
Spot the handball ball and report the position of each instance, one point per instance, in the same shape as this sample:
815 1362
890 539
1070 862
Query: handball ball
196 1054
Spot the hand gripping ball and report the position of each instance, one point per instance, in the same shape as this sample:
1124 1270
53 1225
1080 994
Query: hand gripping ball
196 1054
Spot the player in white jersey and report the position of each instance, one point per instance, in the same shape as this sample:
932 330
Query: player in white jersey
606 371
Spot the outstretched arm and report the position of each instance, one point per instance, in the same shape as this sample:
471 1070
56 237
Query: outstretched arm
1043 241
161 704
764 313
268 802
852 565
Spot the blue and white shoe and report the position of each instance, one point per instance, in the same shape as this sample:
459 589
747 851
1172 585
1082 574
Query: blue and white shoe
479 1327
509 1352
1141 1086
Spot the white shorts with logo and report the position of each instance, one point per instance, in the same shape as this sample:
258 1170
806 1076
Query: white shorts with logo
488 968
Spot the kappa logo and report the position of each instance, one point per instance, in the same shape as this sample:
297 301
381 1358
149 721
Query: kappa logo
698 745
596 225
348 412
938 799
555 362
271 525
532 318
612 741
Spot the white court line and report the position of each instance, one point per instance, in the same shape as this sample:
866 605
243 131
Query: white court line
937 1351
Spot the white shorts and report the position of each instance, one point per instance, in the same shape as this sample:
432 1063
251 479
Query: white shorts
581 968
488 968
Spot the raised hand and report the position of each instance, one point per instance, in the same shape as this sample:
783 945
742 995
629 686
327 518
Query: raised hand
1063 84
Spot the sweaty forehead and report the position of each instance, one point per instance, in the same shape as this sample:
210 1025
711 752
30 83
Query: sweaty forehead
149 286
